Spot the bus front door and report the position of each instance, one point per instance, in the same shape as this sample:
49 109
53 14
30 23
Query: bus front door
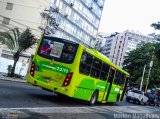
109 82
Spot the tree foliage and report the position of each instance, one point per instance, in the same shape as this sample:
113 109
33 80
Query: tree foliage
18 42
156 25
136 59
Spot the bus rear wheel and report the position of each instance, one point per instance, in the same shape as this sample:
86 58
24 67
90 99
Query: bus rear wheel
94 98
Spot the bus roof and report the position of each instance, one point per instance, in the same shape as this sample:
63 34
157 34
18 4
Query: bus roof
95 53
104 58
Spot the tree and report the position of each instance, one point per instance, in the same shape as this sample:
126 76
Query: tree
9 69
156 25
157 51
136 59
18 42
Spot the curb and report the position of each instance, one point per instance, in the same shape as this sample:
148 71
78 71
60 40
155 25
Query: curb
12 79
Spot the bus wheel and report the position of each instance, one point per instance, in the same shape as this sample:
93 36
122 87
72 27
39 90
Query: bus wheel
94 98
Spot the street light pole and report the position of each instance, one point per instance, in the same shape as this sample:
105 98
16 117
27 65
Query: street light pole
142 77
149 72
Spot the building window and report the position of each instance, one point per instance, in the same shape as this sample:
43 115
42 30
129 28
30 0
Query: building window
129 48
9 6
6 21
117 38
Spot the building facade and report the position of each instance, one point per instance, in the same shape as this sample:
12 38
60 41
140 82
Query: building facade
22 14
78 20
118 45
100 42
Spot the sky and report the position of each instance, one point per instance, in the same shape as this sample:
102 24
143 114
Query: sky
136 15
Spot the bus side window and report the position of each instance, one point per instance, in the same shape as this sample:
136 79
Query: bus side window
117 79
68 52
104 72
85 63
96 67
122 81
111 75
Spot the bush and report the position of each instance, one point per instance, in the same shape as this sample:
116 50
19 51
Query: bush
17 76
9 70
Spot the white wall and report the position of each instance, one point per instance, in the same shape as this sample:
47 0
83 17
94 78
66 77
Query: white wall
20 68
25 12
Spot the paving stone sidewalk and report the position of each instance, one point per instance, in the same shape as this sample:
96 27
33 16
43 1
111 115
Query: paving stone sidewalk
12 79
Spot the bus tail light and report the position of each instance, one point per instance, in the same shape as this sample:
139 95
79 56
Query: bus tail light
67 79
32 69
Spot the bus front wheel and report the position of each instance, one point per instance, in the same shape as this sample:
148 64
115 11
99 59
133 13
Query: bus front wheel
94 98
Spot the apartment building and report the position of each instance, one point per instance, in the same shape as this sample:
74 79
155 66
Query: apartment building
118 45
78 20
22 14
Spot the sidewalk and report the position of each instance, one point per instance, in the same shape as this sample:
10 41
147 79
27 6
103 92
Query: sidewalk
12 79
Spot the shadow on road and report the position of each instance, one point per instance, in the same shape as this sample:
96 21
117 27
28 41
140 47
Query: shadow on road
65 101
57 99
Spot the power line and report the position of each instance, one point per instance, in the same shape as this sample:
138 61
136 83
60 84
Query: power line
26 21
25 5
14 21
19 23
23 20
44 1
13 26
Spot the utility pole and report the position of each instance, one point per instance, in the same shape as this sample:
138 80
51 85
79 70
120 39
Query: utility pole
142 77
149 72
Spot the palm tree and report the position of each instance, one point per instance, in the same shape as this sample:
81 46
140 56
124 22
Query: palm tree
18 42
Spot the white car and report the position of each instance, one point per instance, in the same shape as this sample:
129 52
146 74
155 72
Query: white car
137 96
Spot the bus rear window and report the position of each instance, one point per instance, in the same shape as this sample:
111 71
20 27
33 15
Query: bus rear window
58 50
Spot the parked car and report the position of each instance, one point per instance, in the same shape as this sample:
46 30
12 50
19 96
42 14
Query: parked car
137 96
153 99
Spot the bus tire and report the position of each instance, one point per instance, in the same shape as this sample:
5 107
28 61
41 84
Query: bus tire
94 98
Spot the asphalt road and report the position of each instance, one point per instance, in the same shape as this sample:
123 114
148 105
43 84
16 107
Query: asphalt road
17 95
24 100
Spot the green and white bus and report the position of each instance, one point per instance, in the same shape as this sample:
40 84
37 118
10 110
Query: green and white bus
71 69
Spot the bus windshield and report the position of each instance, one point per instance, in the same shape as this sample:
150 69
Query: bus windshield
58 49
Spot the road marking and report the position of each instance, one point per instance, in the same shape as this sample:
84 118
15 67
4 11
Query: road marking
95 109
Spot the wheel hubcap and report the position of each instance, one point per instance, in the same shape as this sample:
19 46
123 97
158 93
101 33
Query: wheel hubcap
93 99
